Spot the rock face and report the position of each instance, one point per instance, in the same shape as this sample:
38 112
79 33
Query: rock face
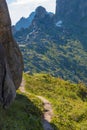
74 11
40 12
42 19
13 64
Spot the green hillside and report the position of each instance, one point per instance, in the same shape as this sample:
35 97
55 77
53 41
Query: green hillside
69 101
65 58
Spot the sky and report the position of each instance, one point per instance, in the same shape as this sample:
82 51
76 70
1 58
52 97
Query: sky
22 8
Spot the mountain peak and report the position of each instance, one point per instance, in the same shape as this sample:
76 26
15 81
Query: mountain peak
40 11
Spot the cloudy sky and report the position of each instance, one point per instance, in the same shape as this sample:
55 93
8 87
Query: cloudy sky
19 8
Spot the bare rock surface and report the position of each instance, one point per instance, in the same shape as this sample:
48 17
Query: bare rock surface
11 62
74 11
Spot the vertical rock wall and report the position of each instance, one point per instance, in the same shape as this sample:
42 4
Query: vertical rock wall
11 62
13 54
72 11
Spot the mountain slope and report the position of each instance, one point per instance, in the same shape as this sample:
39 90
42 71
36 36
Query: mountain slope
51 46
24 22
60 59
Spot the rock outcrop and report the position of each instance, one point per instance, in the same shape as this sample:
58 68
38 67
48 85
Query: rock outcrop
10 58
41 12
42 19
74 11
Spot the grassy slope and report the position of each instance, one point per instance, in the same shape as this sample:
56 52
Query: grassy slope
69 100
24 114
69 104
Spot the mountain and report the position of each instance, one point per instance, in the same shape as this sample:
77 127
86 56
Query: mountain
24 22
55 44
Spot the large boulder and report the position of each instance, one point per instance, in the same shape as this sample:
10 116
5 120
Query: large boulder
13 62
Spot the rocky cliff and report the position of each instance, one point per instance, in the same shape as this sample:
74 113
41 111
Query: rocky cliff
74 11
13 64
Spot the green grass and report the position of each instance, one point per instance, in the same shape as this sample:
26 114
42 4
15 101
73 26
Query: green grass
69 100
24 114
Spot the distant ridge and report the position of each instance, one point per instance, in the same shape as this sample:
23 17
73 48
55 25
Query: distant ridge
25 22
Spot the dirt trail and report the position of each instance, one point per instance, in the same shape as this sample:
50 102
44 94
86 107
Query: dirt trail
22 89
48 112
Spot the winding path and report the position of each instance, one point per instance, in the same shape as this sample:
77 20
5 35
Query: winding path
48 112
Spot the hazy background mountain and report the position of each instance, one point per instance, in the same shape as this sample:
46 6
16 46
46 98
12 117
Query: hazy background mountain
24 22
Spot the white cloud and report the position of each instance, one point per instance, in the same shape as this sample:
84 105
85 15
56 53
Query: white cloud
18 2
21 8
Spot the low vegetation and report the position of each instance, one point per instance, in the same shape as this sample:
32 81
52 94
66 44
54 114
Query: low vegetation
69 100
65 58
24 114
